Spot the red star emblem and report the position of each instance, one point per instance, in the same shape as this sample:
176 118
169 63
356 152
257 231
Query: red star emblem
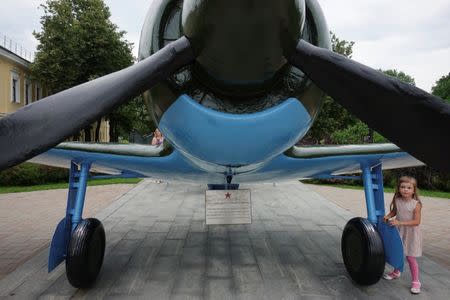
227 196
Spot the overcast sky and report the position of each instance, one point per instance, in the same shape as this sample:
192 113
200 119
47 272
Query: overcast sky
408 35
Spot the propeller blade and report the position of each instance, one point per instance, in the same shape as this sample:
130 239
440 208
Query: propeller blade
42 125
416 121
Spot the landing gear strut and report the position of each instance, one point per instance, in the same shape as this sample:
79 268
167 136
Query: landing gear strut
362 245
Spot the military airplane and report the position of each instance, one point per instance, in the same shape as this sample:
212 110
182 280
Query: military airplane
233 85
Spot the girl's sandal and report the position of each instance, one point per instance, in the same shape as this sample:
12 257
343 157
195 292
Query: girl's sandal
415 287
392 275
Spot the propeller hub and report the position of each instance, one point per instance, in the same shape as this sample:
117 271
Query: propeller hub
242 42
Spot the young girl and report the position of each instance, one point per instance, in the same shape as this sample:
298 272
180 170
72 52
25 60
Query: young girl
406 208
158 138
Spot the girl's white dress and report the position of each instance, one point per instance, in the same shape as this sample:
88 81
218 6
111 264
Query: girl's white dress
411 235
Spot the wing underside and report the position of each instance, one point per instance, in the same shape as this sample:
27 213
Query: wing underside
391 156
165 163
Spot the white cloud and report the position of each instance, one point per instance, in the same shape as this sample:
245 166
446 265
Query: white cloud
411 36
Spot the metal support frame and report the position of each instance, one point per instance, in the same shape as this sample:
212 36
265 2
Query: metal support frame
77 192
338 177
373 188
227 186
79 174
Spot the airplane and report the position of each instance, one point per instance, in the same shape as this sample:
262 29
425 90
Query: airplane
233 85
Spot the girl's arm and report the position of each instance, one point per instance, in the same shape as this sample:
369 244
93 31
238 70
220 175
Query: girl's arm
389 215
416 219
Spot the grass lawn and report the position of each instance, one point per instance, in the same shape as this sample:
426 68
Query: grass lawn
64 185
427 193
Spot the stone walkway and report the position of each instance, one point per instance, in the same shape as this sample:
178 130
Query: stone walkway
158 247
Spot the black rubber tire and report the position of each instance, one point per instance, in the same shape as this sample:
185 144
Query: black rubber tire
362 251
85 253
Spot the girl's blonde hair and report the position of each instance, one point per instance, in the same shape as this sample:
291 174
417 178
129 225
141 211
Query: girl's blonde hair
415 196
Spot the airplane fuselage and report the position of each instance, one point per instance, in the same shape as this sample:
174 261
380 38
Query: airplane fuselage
249 81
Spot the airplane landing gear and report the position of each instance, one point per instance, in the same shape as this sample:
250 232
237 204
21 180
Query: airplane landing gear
85 253
80 242
362 251
367 244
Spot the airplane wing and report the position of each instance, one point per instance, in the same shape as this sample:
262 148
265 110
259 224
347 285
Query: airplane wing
124 160
330 162
63 153
353 156
166 163
56 117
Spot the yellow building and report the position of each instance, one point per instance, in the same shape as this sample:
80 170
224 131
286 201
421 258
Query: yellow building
17 89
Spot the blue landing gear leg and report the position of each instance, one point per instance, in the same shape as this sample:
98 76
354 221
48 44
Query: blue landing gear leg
374 190
362 245
81 242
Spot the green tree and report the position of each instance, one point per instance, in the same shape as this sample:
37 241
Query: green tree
442 88
140 122
78 42
341 46
356 134
400 75
332 116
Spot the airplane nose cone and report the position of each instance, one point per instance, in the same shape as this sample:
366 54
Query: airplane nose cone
243 42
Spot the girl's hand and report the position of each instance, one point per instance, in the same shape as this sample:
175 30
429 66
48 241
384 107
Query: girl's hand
394 222
385 219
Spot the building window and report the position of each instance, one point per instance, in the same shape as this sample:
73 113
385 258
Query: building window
15 87
38 92
27 91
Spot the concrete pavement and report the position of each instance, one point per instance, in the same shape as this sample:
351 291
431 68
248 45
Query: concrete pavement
158 247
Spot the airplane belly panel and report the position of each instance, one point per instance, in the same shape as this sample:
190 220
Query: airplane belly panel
233 140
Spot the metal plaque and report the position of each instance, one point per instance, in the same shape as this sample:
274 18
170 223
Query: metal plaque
228 207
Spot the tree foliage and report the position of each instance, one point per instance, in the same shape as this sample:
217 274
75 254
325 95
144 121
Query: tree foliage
442 88
400 75
342 47
139 123
332 116
356 134
79 43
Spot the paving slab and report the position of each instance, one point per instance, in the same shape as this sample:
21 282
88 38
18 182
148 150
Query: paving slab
158 247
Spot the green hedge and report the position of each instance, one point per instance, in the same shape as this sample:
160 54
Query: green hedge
31 174
427 179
